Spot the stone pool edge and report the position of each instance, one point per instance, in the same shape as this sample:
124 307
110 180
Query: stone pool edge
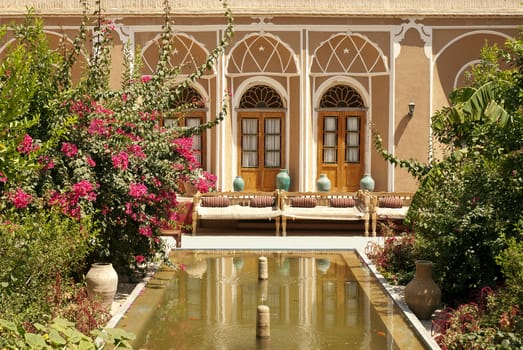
398 299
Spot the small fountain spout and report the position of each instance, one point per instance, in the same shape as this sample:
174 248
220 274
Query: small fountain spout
263 322
263 271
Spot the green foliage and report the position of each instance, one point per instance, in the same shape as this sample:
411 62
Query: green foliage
60 334
511 262
470 202
486 323
37 246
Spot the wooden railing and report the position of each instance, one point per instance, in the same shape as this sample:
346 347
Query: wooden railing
292 7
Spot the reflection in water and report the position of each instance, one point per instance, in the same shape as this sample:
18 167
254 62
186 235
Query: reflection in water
316 302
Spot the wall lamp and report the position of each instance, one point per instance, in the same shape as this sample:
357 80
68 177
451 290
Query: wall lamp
412 105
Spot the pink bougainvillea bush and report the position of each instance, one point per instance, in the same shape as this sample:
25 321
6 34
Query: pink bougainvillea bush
106 155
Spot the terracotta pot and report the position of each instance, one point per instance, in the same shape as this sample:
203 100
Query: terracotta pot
422 294
102 282
190 189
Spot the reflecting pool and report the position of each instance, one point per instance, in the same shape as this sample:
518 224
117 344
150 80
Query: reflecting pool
317 300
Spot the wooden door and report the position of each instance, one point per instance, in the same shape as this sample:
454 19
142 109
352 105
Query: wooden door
261 140
341 148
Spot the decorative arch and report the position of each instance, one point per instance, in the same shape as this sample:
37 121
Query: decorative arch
341 96
347 81
348 53
253 81
468 34
448 67
462 71
262 54
187 54
261 96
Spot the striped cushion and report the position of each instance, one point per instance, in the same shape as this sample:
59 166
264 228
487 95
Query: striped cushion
262 201
347 202
303 202
215 201
390 202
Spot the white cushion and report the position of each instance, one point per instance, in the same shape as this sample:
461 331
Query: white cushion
323 213
237 212
392 213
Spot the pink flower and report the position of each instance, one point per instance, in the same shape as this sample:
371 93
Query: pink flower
121 160
3 178
146 78
82 188
137 190
97 127
137 151
21 199
90 161
145 231
139 259
183 146
27 145
69 149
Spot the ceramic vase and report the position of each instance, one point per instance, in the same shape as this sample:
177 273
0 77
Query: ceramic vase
422 294
283 180
367 183
323 184
102 282
238 184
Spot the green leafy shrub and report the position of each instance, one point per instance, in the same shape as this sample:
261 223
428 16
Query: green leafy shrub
60 334
37 246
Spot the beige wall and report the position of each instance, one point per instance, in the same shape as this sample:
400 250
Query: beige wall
420 66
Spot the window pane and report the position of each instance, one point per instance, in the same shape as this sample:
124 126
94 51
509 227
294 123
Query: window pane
272 159
353 155
249 126
330 124
249 159
250 143
353 124
272 143
353 139
330 156
192 122
330 140
170 122
272 126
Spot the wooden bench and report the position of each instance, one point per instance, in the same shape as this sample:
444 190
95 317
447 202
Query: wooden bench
324 206
236 206
388 206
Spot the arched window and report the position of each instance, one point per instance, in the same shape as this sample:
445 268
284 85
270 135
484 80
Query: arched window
341 134
341 96
261 96
260 137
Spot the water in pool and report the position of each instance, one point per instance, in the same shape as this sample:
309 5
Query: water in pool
316 300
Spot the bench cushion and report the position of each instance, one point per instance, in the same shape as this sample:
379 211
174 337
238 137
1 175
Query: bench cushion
303 202
215 201
342 202
262 201
390 202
